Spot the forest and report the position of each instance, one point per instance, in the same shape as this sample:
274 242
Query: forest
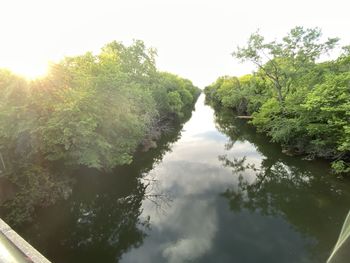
297 97
92 110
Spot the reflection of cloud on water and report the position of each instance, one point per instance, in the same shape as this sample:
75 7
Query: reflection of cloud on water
211 135
179 236
195 237
187 228
185 232
191 178
202 120
207 151
194 178
180 178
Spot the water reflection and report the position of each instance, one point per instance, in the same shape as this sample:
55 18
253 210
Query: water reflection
300 192
236 198
217 193
103 218
192 175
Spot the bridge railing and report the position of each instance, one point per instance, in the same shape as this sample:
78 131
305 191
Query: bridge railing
14 249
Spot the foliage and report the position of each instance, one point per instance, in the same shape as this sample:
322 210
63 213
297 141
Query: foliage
298 102
245 94
90 110
281 62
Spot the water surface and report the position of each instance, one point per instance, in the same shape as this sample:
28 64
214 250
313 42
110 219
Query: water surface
213 192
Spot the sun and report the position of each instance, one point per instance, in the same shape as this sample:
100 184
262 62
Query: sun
28 69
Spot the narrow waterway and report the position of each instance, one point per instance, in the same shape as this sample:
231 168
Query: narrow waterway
213 192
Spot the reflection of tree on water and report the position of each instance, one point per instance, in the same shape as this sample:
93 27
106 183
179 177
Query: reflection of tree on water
103 217
160 199
108 224
301 192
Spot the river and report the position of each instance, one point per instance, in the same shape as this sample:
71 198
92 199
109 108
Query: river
213 191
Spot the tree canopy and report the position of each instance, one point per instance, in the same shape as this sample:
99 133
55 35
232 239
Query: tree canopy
90 110
301 103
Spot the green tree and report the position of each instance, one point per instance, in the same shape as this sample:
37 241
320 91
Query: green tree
281 62
90 110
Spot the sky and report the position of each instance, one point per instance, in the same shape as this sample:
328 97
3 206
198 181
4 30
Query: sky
194 38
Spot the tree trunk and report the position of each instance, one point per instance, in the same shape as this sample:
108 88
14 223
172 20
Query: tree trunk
279 92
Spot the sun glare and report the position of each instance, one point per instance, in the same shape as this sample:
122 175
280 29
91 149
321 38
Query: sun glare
27 69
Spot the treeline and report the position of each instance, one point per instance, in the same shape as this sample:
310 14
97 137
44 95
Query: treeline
90 110
300 103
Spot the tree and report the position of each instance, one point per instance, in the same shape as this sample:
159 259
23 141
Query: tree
89 110
281 62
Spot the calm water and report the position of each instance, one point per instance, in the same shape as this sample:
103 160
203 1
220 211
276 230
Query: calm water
213 192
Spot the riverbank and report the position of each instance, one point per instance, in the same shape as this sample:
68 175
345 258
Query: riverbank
89 111
298 101
254 204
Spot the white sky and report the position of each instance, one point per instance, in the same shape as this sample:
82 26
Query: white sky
194 38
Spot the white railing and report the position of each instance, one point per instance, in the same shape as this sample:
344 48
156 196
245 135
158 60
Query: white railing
13 248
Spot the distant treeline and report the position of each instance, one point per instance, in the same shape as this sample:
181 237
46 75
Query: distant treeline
90 110
300 103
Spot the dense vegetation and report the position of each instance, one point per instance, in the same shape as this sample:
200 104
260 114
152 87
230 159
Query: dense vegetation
90 110
301 103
